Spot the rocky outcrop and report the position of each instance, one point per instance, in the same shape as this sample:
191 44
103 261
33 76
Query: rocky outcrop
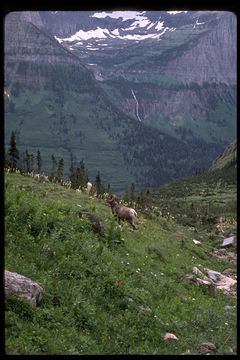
229 154
32 56
213 59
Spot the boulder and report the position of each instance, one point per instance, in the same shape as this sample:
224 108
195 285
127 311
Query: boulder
22 286
213 279
170 337
207 348
196 242
231 241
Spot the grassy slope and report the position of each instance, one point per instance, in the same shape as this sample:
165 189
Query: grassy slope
228 157
112 296
70 123
199 200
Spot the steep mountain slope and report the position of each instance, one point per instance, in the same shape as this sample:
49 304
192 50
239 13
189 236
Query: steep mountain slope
54 103
202 200
227 160
176 72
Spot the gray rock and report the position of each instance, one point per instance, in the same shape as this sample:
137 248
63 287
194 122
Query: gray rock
214 275
231 241
207 347
19 285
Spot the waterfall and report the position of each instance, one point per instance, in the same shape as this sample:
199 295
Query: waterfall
137 105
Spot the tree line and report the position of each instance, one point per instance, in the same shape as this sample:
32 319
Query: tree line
26 163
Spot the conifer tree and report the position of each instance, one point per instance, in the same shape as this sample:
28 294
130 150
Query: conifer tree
54 166
98 185
27 161
39 162
60 169
13 152
72 173
82 175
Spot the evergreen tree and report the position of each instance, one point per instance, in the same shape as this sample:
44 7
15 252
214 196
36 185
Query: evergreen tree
31 162
13 152
71 169
39 162
54 166
21 161
72 173
98 185
60 169
27 161
78 175
82 176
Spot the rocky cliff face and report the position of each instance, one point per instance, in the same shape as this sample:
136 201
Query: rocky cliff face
32 55
186 80
227 159
213 59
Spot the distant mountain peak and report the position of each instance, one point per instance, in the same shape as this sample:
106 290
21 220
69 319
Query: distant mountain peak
125 15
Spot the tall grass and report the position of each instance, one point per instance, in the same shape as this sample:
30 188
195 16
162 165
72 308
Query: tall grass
113 295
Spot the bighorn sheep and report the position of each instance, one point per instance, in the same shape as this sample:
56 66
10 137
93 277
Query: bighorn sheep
122 212
96 225
41 178
88 188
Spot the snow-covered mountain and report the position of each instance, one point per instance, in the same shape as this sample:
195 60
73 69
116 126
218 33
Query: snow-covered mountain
96 30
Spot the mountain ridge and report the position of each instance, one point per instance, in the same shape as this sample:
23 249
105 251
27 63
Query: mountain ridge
75 113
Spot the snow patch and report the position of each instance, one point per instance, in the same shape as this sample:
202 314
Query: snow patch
198 23
139 37
159 25
151 25
175 12
125 15
115 32
85 35
58 39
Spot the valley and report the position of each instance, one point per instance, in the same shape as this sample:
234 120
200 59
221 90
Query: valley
142 97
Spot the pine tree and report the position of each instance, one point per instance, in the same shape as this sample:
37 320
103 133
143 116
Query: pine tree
60 169
53 170
98 185
27 161
72 173
39 162
13 152
82 175
31 162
